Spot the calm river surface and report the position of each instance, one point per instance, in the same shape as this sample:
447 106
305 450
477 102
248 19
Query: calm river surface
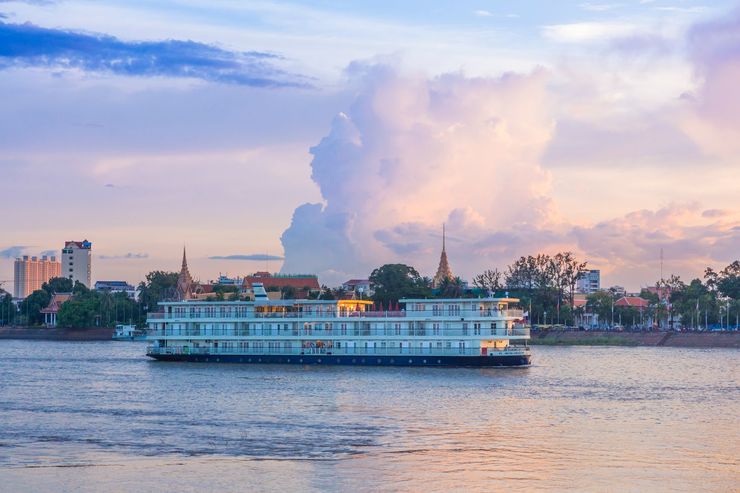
92 416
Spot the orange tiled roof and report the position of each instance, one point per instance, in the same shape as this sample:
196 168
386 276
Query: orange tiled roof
311 282
633 301
56 302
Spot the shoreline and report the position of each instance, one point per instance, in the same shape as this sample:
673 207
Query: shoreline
44 334
550 338
655 339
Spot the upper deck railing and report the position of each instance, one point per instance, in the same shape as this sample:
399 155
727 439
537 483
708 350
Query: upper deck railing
220 313
339 332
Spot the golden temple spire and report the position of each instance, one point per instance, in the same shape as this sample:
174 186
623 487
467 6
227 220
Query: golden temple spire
443 271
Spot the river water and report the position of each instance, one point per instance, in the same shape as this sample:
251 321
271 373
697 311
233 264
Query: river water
100 416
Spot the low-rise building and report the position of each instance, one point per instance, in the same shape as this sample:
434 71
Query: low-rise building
52 310
116 287
632 302
360 287
302 284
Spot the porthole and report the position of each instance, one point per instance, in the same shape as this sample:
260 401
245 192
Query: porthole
439 361
318 360
410 361
378 360
425 362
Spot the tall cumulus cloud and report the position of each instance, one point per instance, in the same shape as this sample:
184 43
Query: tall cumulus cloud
412 152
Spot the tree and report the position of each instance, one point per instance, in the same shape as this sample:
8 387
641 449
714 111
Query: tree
80 311
159 286
58 285
326 293
288 292
451 288
573 270
31 307
600 303
79 288
489 280
392 282
8 310
728 281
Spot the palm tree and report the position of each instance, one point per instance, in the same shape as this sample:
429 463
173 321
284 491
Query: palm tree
451 288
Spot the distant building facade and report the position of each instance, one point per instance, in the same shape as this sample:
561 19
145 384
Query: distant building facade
77 261
589 282
116 287
303 284
31 272
52 310
360 287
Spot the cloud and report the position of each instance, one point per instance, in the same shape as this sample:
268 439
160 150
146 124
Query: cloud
411 152
584 32
125 256
27 45
395 165
253 256
13 251
50 253
683 230
713 116
32 2
482 13
600 7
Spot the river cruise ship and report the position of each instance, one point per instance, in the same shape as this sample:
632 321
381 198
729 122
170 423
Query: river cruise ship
422 332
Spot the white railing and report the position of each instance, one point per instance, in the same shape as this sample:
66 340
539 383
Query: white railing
203 314
389 332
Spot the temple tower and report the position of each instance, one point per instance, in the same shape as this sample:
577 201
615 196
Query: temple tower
184 280
443 271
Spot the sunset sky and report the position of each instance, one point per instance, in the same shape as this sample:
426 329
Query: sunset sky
341 135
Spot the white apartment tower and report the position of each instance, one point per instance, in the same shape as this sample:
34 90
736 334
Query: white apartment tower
77 261
32 272
589 282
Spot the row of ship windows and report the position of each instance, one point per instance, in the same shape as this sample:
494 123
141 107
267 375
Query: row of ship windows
275 345
340 327
243 311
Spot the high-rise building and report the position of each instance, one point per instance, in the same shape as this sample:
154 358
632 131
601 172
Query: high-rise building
77 261
32 272
589 282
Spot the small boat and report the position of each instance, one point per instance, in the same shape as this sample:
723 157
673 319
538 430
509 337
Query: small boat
129 333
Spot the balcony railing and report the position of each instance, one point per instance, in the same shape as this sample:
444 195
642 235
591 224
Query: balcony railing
200 313
333 333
